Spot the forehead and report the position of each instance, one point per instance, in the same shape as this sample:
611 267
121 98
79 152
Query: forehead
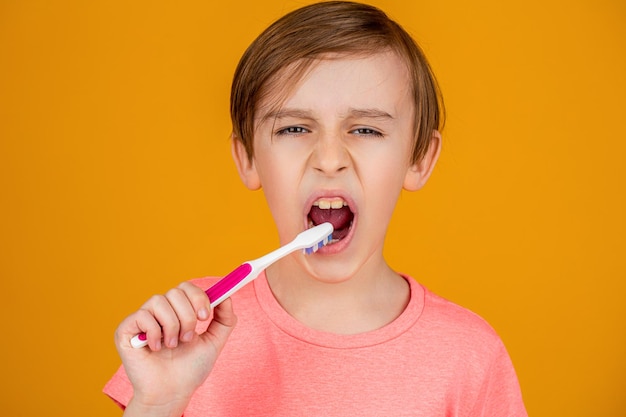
331 80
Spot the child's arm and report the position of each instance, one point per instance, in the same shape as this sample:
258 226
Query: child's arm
176 361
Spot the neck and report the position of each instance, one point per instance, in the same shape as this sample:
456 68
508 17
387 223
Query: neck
360 303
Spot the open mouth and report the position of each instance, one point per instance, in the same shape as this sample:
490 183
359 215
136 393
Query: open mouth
335 211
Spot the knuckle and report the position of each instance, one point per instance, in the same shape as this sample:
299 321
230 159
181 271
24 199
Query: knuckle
187 321
174 293
154 301
196 295
184 285
146 320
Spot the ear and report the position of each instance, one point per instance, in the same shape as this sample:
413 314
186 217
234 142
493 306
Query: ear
420 171
245 166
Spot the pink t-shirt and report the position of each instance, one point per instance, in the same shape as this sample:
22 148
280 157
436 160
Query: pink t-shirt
435 359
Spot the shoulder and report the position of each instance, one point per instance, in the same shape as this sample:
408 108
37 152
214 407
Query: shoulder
458 327
444 311
477 357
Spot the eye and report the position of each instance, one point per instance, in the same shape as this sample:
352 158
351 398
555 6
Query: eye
367 131
292 130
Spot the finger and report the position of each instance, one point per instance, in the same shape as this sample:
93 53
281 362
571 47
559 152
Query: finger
199 300
179 299
142 321
185 317
163 311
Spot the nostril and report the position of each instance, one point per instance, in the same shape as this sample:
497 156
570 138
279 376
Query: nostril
331 156
329 170
332 166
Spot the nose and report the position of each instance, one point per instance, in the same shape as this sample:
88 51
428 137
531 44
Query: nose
330 155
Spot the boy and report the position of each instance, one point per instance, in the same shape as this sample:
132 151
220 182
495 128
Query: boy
334 111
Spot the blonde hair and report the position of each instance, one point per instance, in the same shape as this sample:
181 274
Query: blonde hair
340 28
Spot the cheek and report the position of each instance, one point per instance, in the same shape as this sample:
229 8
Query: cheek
386 178
387 188
282 161
279 176
386 165
277 169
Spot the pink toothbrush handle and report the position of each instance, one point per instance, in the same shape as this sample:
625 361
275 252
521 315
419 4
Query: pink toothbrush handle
224 287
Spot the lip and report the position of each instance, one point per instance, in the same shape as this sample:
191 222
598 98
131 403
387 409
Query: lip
336 247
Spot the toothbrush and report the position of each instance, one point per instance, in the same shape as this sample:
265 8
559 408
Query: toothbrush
309 241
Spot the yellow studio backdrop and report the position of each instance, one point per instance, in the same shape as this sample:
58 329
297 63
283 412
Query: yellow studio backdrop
116 183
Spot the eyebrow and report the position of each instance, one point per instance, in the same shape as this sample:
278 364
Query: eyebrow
285 113
369 113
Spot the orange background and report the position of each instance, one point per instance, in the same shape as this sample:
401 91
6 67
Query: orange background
116 183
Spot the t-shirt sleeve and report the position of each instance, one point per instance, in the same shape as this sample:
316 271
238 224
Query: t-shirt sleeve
119 388
500 394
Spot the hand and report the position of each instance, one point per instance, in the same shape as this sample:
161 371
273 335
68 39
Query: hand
177 360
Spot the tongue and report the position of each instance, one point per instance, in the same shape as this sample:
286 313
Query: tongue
339 218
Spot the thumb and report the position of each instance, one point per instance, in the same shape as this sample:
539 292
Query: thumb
221 326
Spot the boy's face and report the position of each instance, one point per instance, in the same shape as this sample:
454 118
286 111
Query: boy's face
338 150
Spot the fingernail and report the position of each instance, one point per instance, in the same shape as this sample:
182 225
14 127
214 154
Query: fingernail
173 342
188 336
203 314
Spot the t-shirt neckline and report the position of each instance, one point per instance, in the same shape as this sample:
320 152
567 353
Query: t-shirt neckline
288 324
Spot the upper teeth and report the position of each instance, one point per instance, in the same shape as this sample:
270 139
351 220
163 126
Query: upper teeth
325 203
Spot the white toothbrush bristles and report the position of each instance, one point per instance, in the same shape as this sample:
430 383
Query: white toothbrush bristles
319 245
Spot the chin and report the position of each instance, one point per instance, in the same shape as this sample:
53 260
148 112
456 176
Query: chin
330 268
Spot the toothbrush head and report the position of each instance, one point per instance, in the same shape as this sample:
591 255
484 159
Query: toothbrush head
313 239
320 244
